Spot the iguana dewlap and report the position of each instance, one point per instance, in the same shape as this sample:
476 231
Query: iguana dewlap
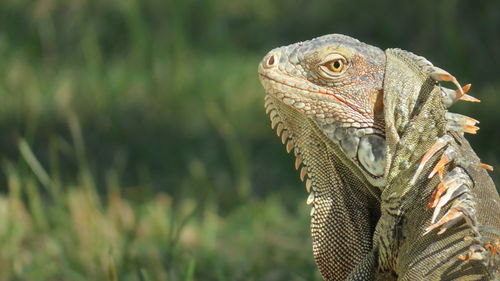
396 191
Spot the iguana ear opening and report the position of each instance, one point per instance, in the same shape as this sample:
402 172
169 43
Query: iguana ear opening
372 155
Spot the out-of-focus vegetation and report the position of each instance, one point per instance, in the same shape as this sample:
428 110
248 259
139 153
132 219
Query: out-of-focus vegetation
134 142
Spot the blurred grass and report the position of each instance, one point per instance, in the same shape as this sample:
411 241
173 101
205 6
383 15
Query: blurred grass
78 235
134 142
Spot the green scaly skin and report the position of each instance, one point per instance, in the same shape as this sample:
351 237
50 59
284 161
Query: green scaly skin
368 225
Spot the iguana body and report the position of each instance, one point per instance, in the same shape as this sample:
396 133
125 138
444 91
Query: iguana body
360 121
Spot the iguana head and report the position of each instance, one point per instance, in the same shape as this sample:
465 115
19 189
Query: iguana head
336 81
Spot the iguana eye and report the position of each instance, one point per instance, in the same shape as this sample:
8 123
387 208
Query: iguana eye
333 66
336 65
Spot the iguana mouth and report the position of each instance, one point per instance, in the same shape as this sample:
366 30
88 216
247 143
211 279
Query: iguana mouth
318 91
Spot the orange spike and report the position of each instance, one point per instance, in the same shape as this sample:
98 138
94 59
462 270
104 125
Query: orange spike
470 121
465 97
440 143
441 75
486 166
471 129
440 167
452 214
466 88
433 200
436 195
464 257
493 248
469 98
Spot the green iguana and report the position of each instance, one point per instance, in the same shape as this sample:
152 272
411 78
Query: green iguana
396 191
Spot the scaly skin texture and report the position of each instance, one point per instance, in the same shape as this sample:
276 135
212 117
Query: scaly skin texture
368 127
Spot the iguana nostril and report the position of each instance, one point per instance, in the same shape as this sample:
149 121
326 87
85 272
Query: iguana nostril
270 61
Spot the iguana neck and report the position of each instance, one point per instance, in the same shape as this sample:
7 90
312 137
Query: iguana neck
344 203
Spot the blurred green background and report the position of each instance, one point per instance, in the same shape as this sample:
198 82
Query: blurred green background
134 141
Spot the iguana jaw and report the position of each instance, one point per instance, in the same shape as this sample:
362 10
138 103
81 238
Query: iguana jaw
306 99
290 124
